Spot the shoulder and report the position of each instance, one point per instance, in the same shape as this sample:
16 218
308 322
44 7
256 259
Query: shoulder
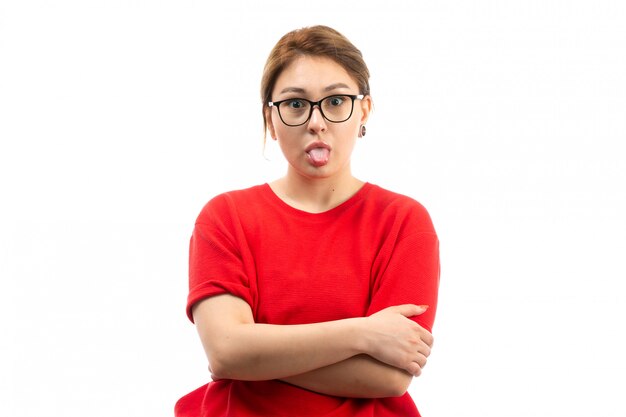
228 204
385 197
396 207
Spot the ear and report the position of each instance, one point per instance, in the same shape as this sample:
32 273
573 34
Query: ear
270 122
366 109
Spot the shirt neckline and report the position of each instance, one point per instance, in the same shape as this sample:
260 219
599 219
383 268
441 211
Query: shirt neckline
332 213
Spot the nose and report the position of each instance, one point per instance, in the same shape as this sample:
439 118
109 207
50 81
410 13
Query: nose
317 123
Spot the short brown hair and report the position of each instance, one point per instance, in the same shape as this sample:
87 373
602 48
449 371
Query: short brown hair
319 41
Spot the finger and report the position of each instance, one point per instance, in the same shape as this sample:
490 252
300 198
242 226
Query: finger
410 310
424 349
414 369
421 360
425 336
428 338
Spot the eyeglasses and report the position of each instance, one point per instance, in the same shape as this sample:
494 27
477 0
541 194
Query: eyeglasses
298 111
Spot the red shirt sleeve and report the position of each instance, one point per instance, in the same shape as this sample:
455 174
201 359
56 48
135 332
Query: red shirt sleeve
215 262
407 270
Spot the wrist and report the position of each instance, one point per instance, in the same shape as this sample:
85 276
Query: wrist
360 342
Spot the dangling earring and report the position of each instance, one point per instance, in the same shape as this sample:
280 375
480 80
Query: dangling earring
362 131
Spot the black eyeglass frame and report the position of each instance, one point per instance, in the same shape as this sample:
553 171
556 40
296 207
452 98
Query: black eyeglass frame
319 106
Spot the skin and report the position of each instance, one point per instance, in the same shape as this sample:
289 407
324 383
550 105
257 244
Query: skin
306 186
369 357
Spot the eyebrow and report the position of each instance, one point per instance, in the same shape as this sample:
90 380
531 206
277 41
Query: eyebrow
292 90
302 90
335 86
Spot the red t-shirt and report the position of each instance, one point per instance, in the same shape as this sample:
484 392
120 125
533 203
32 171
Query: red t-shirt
375 250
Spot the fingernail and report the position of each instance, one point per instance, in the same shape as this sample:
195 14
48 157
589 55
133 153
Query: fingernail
423 307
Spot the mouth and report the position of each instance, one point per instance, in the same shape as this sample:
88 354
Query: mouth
318 153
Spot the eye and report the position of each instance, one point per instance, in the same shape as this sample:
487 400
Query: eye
295 104
336 101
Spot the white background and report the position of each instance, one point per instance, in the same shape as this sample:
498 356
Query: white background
120 119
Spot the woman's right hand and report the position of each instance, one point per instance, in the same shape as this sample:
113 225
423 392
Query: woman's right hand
392 338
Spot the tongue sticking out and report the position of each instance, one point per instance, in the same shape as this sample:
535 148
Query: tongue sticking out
319 156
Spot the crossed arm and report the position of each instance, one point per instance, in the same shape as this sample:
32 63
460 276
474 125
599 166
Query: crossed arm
370 357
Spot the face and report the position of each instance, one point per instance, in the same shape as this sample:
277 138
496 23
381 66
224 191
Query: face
317 148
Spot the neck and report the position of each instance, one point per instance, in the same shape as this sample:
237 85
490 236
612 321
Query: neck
315 195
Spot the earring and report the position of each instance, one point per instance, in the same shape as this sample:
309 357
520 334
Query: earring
362 131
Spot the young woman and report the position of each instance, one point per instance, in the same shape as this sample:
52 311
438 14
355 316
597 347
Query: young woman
315 294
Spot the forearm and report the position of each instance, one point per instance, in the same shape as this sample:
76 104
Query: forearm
360 376
238 348
261 351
